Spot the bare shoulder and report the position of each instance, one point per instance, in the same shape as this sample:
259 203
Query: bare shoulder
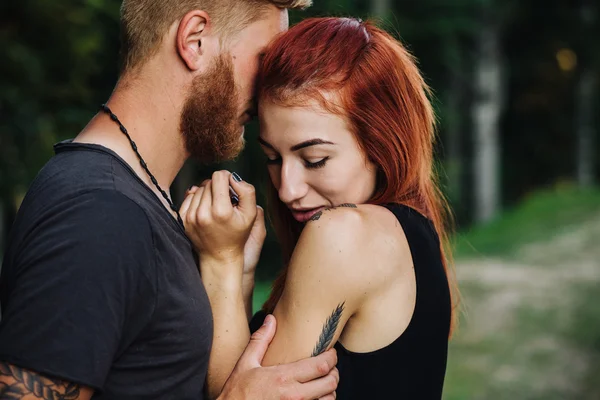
349 222
365 238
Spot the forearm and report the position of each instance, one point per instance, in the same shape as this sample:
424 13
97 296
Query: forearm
248 292
231 332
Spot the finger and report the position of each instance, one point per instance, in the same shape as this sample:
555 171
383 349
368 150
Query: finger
259 343
246 194
192 210
331 396
191 190
314 367
259 223
320 387
221 203
186 205
204 208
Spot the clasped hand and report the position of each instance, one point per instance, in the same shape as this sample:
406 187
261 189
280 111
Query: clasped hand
224 234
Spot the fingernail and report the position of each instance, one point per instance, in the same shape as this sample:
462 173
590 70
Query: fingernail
268 321
236 177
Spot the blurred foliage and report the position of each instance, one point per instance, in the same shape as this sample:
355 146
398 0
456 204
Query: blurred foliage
60 62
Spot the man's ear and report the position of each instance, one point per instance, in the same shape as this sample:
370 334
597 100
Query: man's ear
190 33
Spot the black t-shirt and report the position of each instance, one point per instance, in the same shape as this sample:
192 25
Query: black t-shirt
99 284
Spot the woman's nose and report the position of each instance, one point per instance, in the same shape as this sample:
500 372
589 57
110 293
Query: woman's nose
293 186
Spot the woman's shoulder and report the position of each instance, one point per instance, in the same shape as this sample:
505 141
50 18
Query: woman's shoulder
348 222
361 236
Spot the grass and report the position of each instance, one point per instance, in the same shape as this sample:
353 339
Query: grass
537 218
546 345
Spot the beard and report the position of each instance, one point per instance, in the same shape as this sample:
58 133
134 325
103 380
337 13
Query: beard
209 120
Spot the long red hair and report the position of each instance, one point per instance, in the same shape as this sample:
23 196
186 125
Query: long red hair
380 91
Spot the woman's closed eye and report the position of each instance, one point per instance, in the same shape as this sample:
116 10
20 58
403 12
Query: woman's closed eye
308 164
317 164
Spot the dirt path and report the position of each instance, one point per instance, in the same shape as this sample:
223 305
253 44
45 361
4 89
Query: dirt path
516 340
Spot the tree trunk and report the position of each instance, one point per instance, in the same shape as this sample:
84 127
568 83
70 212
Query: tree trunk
586 88
585 128
486 111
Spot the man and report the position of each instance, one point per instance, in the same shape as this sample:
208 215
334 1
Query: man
100 291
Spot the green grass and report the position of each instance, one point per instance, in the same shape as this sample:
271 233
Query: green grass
477 367
537 218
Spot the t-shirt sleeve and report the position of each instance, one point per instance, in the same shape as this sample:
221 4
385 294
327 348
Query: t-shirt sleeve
77 283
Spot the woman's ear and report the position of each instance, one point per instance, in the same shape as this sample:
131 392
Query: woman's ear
190 34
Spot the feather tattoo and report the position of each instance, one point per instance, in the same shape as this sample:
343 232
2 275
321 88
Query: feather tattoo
318 215
328 331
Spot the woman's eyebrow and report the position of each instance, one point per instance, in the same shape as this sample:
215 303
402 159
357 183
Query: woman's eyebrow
296 147
308 143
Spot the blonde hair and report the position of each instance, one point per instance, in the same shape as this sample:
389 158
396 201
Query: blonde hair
145 22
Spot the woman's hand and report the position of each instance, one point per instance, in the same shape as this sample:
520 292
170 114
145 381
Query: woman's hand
218 230
254 243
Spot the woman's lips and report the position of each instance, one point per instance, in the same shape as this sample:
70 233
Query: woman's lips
305 215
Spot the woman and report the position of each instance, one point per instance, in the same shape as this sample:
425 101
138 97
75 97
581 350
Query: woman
348 132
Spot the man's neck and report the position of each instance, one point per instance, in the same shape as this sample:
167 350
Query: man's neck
151 114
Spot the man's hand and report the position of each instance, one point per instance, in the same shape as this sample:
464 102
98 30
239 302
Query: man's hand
311 378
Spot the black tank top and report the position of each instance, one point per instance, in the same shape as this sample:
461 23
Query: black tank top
414 365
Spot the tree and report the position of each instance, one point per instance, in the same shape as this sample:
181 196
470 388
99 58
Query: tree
587 86
487 107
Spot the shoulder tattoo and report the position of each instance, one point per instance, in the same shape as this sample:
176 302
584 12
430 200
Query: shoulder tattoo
317 216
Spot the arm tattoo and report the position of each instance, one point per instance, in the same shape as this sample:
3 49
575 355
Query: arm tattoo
317 216
24 383
328 331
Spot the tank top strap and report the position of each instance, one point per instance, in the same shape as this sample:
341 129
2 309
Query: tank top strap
419 230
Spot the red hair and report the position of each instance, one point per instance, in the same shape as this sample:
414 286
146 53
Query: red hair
381 93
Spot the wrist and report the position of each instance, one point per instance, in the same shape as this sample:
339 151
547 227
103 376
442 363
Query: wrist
223 275
230 283
225 258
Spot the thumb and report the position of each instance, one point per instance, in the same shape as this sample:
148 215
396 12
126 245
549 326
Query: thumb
259 343
259 222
